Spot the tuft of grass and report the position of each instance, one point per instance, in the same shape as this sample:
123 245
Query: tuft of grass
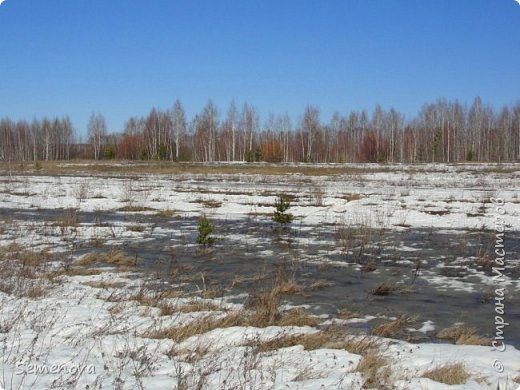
266 308
351 197
316 195
309 342
168 309
199 326
463 335
288 288
208 203
392 329
116 257
104 284
449 374
68 219
135 228
132 208
79 271
369 267
331 337
297 317
320 284
167 213
196 306
362 345
375 370
346 314
384 289
189 355
23 256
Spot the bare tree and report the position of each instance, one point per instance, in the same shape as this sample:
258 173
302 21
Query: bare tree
96 131
178 126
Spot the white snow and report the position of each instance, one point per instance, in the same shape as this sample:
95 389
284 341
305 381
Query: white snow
77 335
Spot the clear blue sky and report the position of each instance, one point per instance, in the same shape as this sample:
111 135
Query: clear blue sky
122 57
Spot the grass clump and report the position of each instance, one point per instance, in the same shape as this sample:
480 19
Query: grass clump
332 337
394 328
351 197
115 257
310 341
69 219
132 208
384 289
375 370
168 309
463 335
199 326
449 374
297 317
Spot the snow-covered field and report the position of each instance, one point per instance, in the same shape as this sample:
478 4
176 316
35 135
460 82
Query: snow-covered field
69 319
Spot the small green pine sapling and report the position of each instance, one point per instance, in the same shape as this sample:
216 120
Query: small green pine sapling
281 205
205 229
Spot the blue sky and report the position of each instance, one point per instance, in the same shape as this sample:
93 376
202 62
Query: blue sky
123 57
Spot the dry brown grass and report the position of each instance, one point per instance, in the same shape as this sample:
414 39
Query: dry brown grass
362 345
297 317
309 342
135 228
394 328
132 208
351 197
212 293
189 355
263 311
462 335
319 284
104 284
195 306
316 195
68 219
375 370
208 203
287 288
331 337
199 326
24 256
168 309
369 267
384 289
167 213
162 167
449 374
347 314
27 272
79 271
266 308
146 295
115 257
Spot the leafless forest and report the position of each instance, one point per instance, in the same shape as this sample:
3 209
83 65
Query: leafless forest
443 131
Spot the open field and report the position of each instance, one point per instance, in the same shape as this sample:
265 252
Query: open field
386 278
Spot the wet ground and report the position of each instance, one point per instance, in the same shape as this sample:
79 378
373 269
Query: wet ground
435 275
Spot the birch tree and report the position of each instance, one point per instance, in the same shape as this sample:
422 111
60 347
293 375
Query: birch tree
96 132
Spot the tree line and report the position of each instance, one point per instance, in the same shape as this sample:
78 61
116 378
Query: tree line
443 131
